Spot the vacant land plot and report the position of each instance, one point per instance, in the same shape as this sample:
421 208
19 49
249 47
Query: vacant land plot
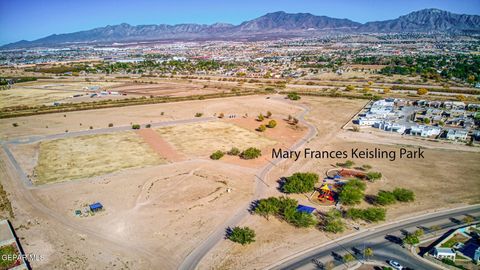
87 156
46 92
166 88
205 138
32 97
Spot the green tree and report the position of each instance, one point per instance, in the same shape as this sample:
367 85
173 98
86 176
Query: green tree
251 153
403 195
269 114
368 252
422 91
272 124
135 126
352 192
373 176
468 219
411 239
241 235
260 117
300 183
217 155
332 221
348 258
234 151
385 198
267 207
261 128
349 88
293 96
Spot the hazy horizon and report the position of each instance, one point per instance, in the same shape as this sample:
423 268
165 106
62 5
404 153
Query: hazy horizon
30 20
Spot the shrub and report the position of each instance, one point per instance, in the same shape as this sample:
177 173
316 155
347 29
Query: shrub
91 127
198 114
385 198
422 91
260 117
135 126
372 176
217 155
234 151
148 125
346 164
110 125
403 195
251 153
241 235
221 115
293 96
15 124
261 128
269 114
349 88
300 183
272 124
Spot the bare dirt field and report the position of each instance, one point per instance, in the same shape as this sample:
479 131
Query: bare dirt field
166 209
87 156
144 114
169 88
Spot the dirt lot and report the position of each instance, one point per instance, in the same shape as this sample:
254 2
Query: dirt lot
45 92
166 209
87 156
82 120
170 88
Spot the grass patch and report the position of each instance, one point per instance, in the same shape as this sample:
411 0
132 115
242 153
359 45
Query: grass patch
8 256
201 138
87 156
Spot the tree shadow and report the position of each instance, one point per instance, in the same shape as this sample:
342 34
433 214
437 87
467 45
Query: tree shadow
371 199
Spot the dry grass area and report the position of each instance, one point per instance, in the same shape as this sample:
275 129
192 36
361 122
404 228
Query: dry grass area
87 156
19 96
205 138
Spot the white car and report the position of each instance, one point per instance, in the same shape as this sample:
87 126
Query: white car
395 264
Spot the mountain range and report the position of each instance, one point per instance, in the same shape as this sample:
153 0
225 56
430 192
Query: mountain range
269 26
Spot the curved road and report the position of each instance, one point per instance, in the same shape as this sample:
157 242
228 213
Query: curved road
375 238
194 258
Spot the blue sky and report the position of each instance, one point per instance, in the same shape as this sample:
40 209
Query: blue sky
32 19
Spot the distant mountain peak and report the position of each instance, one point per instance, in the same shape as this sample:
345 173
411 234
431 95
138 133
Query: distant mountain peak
271 25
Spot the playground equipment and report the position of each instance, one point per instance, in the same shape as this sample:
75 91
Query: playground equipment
326 193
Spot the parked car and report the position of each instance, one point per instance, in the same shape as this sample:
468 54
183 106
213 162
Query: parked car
395 264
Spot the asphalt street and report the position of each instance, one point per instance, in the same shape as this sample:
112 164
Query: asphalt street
376 239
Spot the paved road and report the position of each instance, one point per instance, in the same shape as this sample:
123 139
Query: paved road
194 258
376 239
